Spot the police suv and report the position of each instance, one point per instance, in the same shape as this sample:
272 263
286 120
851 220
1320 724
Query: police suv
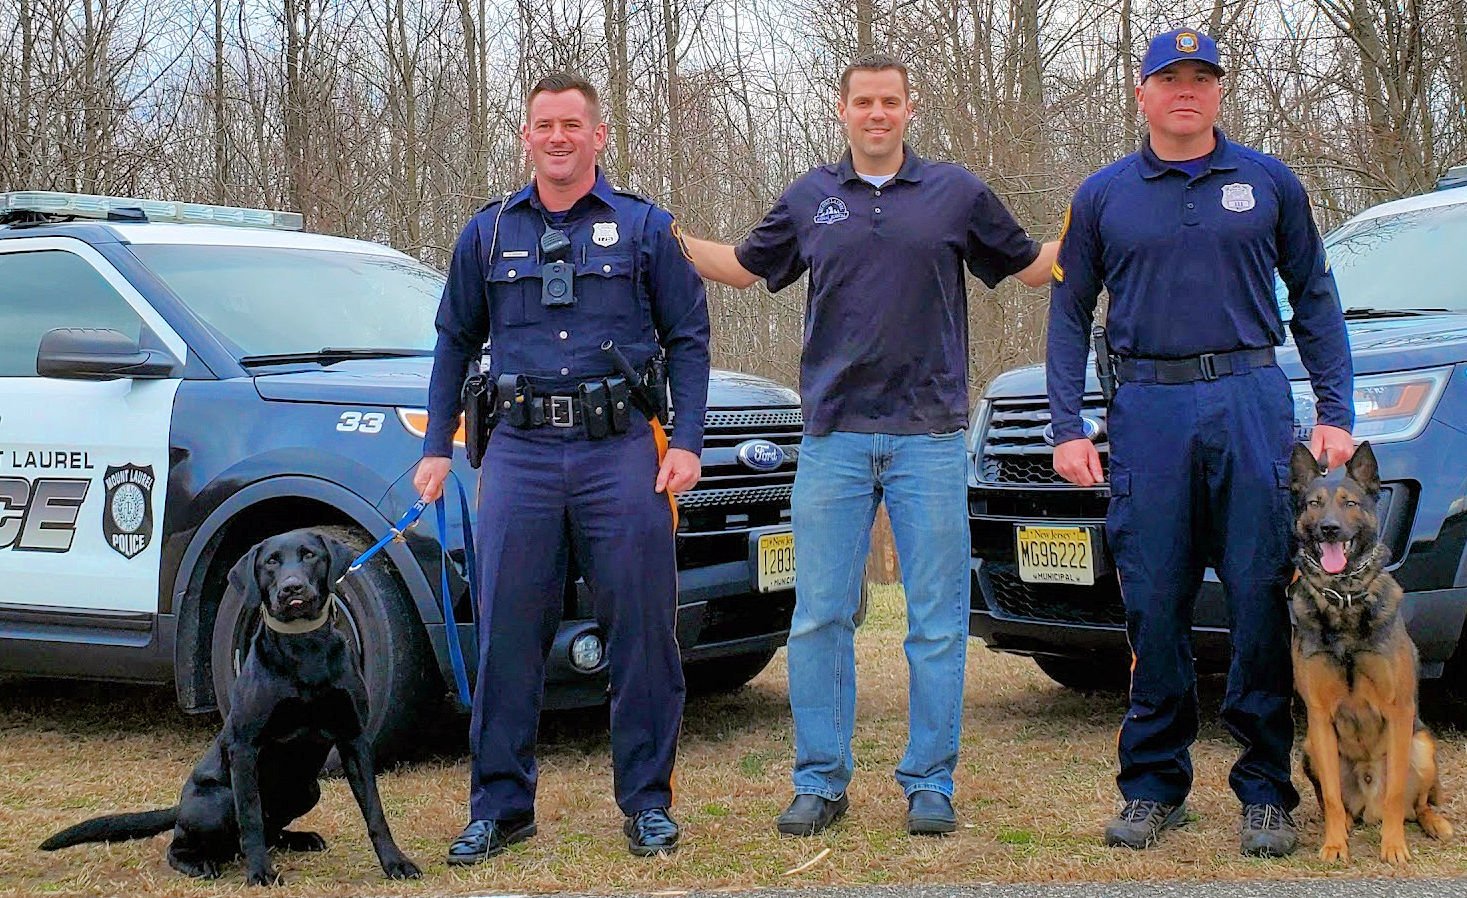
1043 583
179 381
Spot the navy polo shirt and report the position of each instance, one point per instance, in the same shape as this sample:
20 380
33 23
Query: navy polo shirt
886 316
633 285
1188 261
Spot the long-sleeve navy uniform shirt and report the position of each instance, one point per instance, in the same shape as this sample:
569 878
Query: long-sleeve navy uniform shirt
1189 265
633 285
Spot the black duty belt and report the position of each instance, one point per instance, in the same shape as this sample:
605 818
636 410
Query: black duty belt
559 410
1208 366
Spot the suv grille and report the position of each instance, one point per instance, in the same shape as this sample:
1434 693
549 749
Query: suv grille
716 517
1012 448
1007 594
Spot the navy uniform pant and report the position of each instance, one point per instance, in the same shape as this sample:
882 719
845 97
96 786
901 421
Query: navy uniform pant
1199 476
541 492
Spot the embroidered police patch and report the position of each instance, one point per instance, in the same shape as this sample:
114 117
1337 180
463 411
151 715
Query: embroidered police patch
1186 42
1238 197
831 211
127 511
603 233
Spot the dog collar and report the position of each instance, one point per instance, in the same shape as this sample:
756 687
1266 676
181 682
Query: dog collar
297 627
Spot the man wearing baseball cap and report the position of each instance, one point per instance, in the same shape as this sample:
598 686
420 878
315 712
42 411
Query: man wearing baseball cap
1185 236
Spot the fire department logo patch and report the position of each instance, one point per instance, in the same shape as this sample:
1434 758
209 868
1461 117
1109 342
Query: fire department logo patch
1238 197
127 510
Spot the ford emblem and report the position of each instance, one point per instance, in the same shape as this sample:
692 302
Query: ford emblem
760 455
1092 428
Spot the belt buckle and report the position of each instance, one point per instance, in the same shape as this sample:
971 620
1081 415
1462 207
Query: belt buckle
1208 362
561 414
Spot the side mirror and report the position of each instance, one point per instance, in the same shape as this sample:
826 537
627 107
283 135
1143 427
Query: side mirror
95 353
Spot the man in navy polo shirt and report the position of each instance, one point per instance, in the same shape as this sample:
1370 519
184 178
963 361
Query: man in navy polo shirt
884 235
1185 236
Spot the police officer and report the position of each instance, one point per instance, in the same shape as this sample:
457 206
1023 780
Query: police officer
885 236
548 275
1185 235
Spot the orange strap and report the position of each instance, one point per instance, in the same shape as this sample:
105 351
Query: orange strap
660 437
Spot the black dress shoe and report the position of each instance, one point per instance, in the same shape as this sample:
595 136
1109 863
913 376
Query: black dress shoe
809 814
483 839
651 832
930 813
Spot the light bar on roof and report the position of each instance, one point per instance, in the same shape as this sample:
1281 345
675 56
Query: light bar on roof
84 205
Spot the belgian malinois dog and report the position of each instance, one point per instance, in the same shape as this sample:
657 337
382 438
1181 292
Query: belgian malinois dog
1366 752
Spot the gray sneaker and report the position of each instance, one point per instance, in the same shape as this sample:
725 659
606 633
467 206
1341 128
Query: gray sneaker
1268 831
1142 821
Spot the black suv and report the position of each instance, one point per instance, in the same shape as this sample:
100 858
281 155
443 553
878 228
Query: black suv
1402 275
179 381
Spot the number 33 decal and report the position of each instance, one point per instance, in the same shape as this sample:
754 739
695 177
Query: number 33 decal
356 422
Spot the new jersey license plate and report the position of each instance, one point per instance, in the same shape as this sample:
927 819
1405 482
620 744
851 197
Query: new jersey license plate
1055 554
775 561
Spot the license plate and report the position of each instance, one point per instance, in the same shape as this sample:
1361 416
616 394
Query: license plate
1055 555
775 561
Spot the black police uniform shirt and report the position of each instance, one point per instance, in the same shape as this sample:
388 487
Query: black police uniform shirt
633 285
886 316
1188 262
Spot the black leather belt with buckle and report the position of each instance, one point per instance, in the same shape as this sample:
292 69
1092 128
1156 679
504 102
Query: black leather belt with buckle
1208 366
560 411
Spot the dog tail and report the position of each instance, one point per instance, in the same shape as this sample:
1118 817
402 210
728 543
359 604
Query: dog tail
114 828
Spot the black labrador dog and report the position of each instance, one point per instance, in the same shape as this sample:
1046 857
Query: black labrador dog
297 695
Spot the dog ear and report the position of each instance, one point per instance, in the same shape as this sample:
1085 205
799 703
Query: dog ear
1363 470
341 558
242 577
1303 468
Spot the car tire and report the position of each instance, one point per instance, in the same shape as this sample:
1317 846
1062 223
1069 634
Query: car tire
718 675
1099 674
379 622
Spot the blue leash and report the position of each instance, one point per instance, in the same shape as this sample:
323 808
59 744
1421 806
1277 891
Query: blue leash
408 521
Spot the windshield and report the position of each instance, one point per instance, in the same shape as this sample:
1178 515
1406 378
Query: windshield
1411 260
269 300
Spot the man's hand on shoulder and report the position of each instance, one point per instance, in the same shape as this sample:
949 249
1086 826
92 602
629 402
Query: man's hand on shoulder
679 472
1038 272
717 262
1078 462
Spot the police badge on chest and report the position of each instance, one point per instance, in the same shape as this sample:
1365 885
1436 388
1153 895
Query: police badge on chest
1238 197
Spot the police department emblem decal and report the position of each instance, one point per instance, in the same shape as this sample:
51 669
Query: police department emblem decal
1237 197
831 211
127 510
603 233
1186 42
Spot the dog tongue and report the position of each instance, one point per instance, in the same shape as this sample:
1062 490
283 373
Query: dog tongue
1332 557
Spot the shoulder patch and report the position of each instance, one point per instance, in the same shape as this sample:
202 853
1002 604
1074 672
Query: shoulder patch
677 234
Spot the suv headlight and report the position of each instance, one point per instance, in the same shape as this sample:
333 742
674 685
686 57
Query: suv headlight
1389 408
415 420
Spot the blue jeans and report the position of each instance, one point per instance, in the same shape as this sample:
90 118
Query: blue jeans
840 479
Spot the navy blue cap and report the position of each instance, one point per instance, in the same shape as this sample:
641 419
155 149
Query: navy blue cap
1175 46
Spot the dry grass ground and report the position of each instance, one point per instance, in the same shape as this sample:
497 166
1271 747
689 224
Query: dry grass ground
1035 786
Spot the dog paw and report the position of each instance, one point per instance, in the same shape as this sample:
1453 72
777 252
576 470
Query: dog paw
1394 851
401 868
194 868
300 841
267 876
1435 825
1335 852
